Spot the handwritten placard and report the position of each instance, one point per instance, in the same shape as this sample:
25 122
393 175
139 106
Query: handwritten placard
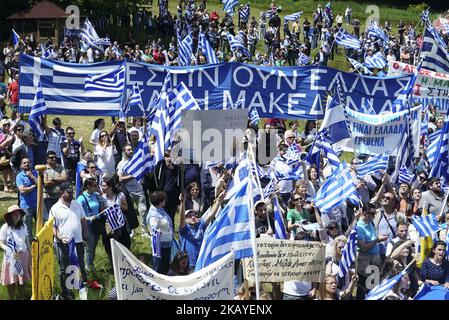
136 281
285 260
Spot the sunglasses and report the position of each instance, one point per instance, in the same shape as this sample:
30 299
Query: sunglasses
52 158
386 198
331 228
298 199
70 133
103 135
92 167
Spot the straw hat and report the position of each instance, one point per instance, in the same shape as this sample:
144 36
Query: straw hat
12 209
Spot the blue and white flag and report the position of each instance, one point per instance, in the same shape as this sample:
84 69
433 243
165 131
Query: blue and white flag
207 49
180 99
17 267
45 53
135 99
405 176
269 189
375 31
293 16
15 38
434 51
237 45
293 153
303 59
229 6
431 151
141 162
114 216
230 231
279 226
91 38
109 82
346 40
426 225
156 243
63 86
336 189
440 166
244 13
38 110
349 254
384 287
74 264
424 130
373 165
367 108
323 144
377 60
159 125
186 50
357 65
254 117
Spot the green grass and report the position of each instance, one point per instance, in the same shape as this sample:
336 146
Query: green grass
84 125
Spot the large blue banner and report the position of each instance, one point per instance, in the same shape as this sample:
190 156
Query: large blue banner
281 92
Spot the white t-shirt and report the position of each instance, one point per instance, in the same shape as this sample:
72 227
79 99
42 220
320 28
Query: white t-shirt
105 159
95 136
297 288
131 185
19 236
68 220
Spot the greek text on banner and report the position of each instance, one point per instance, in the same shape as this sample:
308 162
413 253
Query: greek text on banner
285 260
136 281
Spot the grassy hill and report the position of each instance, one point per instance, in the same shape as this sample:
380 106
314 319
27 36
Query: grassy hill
84 125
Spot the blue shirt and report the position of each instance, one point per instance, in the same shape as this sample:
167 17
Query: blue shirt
92 203
26 200
191 240
367 233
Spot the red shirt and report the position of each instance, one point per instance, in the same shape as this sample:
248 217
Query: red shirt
13 87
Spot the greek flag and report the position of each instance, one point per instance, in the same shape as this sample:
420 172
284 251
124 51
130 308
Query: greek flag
112 81
358 65
141 162
63 86
288 173
346 40
431 151
434 51
279 226
17 267
375 31
293 153
367 108
156 242
206 49
322 143
382 289
15 38
336 189
45 53
303 59
425 225
114 216
38 110
293 16
404 152
237 45
161 120
244 13
377 60
440 166
180 99
373 165
91 38
229 6
230 231
349 254
254 117
405 176
424 129
135 99
269 189
186 50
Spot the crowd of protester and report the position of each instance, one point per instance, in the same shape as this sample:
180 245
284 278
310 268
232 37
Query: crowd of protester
386 237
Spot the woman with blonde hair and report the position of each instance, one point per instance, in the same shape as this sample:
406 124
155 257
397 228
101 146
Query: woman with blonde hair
330 291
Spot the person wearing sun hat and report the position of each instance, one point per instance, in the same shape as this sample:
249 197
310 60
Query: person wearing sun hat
16 265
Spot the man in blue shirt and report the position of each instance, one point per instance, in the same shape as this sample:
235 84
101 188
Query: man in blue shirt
26 182
191 228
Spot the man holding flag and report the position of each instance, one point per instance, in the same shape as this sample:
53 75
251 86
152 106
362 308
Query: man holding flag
69 224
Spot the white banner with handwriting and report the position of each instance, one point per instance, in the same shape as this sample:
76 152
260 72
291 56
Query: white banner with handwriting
136 281
285 260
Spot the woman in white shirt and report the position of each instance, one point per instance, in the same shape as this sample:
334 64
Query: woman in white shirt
14 241
98 126
104 152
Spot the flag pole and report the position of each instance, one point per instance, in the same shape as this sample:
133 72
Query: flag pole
444 203
253 232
